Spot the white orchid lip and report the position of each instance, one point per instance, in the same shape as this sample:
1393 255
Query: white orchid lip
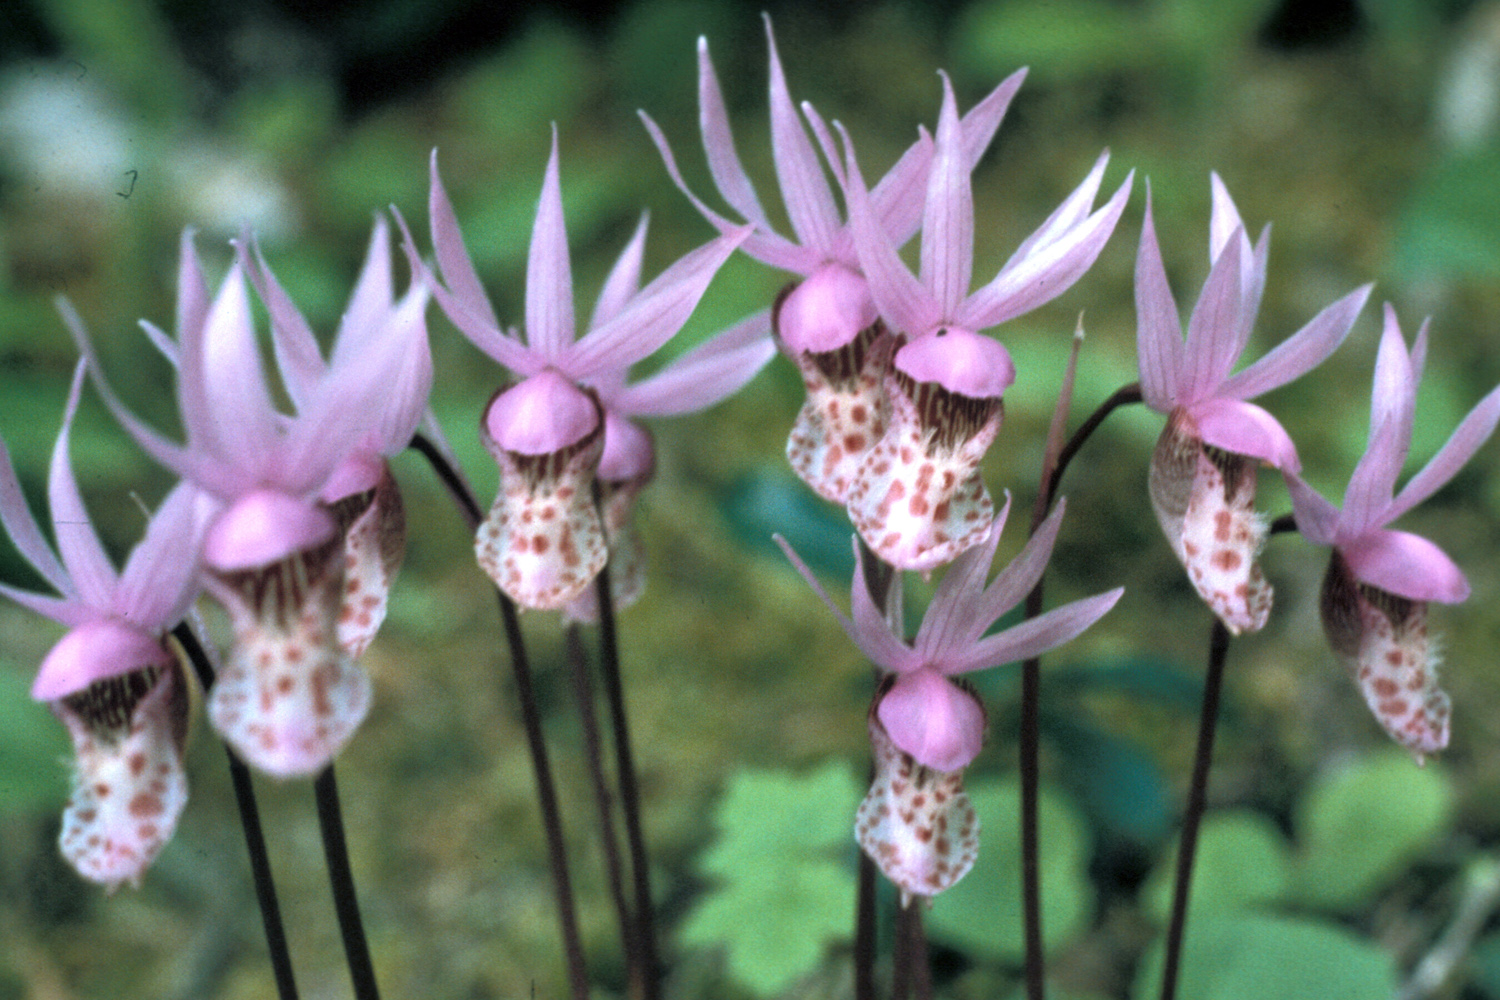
264 527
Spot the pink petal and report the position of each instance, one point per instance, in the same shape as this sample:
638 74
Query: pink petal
1406 565
718 143
868 629
25 534
949 619
1317 519
95 651
826 310
192 289
1245 429
624 278
1073 210
64 610
934 720
1034 637
77 542
1225 218
1301 352
453 259
159 581
263 527
960 361
714 370
225 405
1158 326
549 275
542 415
1017 579
1471 434
804 188
1213 329
298 358
948 221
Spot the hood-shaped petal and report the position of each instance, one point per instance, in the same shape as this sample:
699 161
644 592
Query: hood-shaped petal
1158 333
1406 565
541 415
264 527
934 720
95 651
826 310
1245 429
714 370
1301 352
549 275
960 361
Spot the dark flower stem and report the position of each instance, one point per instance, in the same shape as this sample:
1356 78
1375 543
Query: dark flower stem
879 575
341 879
583 692
911 975
255 839
1054 465
532 722
1187 848
630 795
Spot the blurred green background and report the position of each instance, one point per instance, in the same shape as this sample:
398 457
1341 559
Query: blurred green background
1369 133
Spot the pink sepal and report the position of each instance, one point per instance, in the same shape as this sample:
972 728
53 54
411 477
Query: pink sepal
356 473
93 652
937 722
1245 429
263 527
1406 565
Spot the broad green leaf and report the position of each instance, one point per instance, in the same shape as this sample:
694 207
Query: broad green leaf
1253 957
982 914
1360 825
1242 861
767 816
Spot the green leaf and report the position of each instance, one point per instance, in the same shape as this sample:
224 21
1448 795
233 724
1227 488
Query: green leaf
1119 785
772 500
982 914
1451 227
1362 824
32 749
1252 957
784 889
1243 861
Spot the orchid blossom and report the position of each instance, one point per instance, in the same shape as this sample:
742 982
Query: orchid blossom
1203 470
543 541
827 322
1379 581
112 680
291 694
917 497
916 823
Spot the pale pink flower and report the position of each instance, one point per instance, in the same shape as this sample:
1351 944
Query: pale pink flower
1203 470
1379 581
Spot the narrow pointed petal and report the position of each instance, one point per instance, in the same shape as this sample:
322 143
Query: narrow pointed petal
934 720
983 120
1047 271
714 370
549 275
1468 438
225 404
67 611
1074 209
916 824
1033 637
1302 351
867 629
624 278
1019 576
298 357
160 577
453 259
804 187
1394 394
948 621
718 143
1158 325
77 542
192 289
1317 519
654 316
1225 218
25 534
901 298
899 197
1406 565
948 219
374 292
1367 498
1213 329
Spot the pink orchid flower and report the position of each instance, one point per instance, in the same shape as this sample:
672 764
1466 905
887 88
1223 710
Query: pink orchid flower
1379 581
291 694
926 727
827 323
917 497
1203 470
543 541
111 680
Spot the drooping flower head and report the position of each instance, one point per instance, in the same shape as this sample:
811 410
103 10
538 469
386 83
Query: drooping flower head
112 680
935 726
827 322
543 542
1379 581
290 695
1203 469
917 498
